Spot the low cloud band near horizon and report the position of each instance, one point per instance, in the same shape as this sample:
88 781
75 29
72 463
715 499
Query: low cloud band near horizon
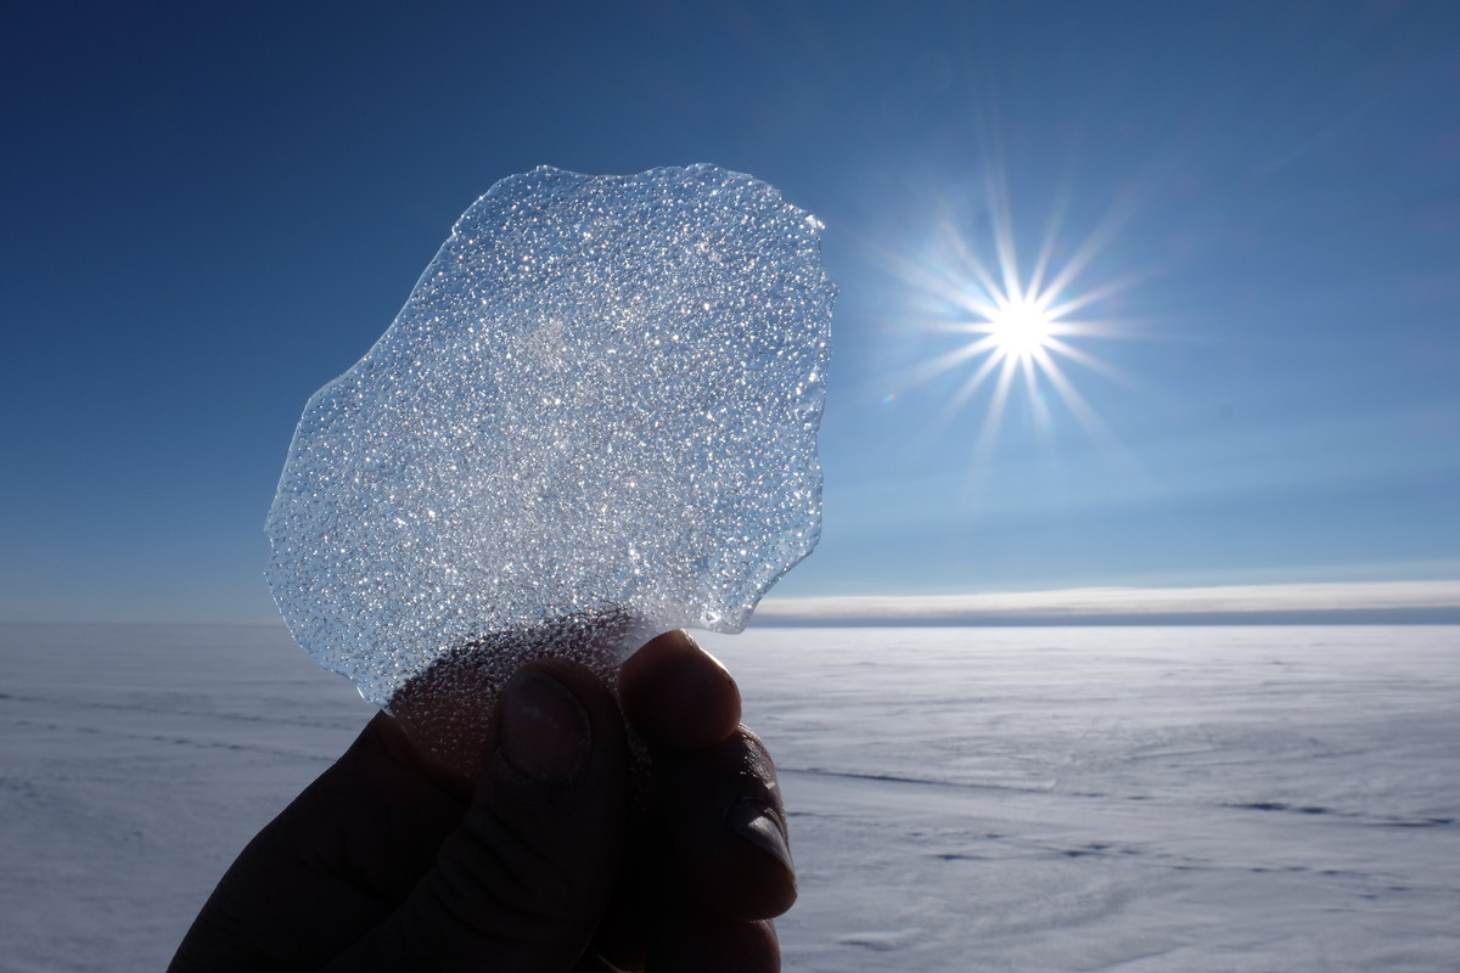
1389 602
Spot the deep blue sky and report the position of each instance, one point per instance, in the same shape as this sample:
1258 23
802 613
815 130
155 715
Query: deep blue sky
213 209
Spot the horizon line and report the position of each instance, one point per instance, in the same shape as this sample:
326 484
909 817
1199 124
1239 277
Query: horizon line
1342 602
1317 603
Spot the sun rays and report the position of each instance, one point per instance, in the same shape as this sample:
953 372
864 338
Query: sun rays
1010 328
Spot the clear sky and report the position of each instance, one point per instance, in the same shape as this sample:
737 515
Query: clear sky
212 209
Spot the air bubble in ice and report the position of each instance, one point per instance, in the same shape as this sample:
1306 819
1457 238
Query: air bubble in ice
597 411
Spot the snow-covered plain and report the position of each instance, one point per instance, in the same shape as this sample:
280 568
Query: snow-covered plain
1136 799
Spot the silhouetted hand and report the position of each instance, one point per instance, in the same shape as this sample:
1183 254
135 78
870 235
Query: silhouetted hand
544 864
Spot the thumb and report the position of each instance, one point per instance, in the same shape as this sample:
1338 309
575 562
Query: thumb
523 883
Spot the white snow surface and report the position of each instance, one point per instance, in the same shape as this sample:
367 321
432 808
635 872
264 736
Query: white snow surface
1135 799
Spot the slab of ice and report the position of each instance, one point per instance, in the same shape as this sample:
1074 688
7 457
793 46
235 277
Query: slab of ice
596 412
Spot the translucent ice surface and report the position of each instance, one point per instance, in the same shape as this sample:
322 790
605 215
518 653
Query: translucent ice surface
597 409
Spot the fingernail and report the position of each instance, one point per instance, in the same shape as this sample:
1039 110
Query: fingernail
544 731
763 829
684 639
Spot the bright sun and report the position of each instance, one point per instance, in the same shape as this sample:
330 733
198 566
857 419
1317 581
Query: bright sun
1013 328
1020 330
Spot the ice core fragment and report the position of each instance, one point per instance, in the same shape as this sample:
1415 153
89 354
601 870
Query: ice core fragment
598 407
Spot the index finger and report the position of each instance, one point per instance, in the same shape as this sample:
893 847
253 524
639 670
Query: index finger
677 696
722 804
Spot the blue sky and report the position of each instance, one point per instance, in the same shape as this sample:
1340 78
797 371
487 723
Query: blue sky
213 209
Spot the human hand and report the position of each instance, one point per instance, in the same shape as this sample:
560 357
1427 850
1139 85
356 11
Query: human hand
385 863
